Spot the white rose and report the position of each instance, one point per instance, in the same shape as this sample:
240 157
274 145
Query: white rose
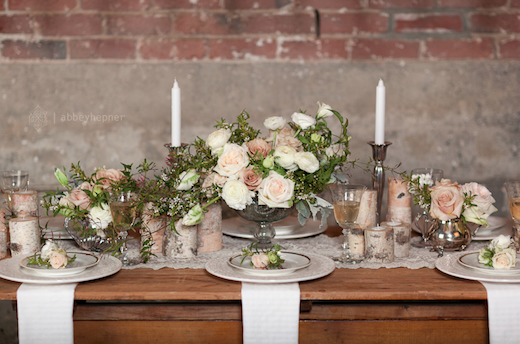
284 156
236 195
275 123
276 191
324 111
48 248
475 215
504 260
303 120
218 139
100 216
307 161
483 199
501 242
233 159
260 261
187 180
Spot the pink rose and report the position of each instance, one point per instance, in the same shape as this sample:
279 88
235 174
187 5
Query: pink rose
79 197
258 145
251 178
276 191
107 177
289 141
483 200
260 261
58 259
447 200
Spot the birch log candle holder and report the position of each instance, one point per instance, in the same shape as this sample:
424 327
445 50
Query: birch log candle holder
399 201
367 210
25 203
4 234
379 245
209 231
153 229
182 244
401 238
24 233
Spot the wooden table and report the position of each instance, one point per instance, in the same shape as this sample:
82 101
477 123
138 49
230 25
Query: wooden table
348 306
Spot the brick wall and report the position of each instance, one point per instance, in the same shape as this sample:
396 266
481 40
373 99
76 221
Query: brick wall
151 30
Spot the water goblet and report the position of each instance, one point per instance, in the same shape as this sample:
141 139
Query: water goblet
513 196
346 199
123 209
12 181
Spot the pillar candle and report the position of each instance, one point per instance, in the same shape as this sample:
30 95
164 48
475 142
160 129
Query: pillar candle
4 234
209 231
25 235
356 240
367 210
380 113
379 245
399 201
25 203
401 238
176 115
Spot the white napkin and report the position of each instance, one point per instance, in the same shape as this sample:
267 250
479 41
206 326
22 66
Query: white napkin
270 313
503 312
45 313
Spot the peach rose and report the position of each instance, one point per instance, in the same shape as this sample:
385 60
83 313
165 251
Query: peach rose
447 200
285 131
251 178
289 141
258 145
58 259
233 159
214 178
260 261
276 191
483 200
504 260
79 197
107 177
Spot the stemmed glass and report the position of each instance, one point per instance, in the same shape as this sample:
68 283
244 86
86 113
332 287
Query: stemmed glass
513 195
12 181
346 199
123 209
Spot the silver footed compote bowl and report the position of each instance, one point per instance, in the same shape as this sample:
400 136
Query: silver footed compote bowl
264 217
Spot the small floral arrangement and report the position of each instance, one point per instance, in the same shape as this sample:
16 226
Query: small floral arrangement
288 167
499 254
447 200
51 256
266 259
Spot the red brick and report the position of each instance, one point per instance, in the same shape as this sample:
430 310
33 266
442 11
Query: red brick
165 49
102 48
115 5
42 5
2 7
510 49
203 23
235 49
74 25
334 4
334 49
288 24
34 50
138 25
186 4
255 4
386 4
471 3
502 22
436 23
306 50
514 3
15 24
382 48
354 23
460 49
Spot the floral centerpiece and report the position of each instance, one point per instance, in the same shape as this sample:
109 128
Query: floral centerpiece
499 254
288 167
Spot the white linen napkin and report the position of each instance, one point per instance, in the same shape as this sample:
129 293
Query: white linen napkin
503 312
270 313
45 313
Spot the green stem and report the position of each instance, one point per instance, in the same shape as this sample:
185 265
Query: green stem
211 202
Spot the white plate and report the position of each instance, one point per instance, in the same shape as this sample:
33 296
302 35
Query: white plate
449 264
320 266
470 260
497 226
11 270
293 262
240 228
82 262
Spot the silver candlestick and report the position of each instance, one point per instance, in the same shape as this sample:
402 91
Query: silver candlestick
378 179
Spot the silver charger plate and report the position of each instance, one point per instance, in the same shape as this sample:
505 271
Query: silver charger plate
288 228
449 264
293 262
11 270
82 262
320 266
470 260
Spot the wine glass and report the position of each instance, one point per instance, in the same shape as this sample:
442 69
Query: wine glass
421 216
12 181
513 195
123 209
346 199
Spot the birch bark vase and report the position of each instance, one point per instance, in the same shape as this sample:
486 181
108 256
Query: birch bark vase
153 229
401 238
4 234
25 203
399 201
209 231
379 245
25 235
182 244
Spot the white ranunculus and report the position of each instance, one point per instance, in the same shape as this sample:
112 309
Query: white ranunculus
302 120
307 161
233 159
218 139
324 111
187 180
236 194
276 191
284 156
48 248
275 123
501 242
504 260
100 216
